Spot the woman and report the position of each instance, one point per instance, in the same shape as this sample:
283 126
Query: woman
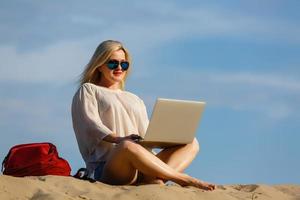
107 120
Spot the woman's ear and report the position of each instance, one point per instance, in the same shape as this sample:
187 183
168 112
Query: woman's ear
99 69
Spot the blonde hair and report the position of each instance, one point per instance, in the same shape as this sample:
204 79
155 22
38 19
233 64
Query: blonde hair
100 57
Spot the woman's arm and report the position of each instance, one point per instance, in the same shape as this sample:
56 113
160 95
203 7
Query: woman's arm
85 115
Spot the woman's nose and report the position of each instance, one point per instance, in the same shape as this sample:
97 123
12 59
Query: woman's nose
119 66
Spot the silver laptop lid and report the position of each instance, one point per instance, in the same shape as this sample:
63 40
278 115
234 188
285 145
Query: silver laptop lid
174 121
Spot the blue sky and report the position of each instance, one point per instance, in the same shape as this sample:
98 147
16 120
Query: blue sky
241 57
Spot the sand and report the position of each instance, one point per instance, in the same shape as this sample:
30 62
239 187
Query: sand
67 188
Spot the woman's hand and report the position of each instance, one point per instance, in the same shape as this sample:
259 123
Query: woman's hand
115 139
132 137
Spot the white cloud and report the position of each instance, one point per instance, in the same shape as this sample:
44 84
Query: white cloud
275 96
144 27
151 24
271 96
264 80
56 63
141 23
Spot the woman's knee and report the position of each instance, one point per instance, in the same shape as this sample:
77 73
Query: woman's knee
129 146
195 147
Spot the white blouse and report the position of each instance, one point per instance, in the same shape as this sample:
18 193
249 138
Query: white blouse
98 111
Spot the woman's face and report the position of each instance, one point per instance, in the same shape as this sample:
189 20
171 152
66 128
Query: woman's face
111 77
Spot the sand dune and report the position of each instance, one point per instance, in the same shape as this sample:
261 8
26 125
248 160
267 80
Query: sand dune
68 188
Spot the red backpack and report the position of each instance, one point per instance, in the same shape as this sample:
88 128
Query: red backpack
35 159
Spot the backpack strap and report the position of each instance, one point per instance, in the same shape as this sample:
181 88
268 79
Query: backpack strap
83 174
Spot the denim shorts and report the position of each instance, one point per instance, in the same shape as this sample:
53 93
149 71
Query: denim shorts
99 170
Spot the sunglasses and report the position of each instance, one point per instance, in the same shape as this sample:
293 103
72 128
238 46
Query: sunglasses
113 64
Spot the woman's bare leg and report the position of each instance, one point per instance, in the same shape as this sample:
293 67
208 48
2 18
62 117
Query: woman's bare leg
128 157
178 158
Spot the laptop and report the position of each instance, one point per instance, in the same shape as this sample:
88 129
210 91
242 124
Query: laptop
173 122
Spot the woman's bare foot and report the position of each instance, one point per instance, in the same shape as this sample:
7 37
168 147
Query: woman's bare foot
206 186
190 181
